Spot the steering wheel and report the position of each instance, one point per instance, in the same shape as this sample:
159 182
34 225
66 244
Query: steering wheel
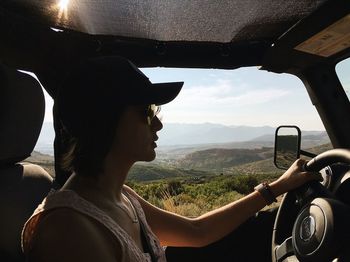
321 227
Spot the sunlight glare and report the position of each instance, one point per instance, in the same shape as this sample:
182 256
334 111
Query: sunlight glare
63 5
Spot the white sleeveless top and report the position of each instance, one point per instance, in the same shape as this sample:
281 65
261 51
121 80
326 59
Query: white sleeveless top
70 199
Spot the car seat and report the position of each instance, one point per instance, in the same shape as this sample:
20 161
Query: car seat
22 186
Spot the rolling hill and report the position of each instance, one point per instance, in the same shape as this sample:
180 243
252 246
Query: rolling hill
148 172
217 159
254 156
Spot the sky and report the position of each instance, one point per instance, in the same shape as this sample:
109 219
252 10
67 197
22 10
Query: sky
246 96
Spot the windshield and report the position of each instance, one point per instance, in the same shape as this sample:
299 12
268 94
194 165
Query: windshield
226 108
343 72
218 136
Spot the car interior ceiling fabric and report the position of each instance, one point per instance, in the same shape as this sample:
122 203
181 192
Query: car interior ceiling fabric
189 20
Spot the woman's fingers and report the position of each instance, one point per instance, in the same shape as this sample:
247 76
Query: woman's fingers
301 164
296 176
312 176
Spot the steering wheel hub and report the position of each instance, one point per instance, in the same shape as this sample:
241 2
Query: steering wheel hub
314 236
307 228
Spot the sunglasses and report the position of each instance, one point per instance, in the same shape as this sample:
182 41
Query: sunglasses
152 111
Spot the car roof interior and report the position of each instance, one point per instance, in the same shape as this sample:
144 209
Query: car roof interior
227 34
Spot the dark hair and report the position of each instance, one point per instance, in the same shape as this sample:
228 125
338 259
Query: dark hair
86 152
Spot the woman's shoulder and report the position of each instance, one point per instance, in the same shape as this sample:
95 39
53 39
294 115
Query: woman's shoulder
66 223
62 217
131 192
66 235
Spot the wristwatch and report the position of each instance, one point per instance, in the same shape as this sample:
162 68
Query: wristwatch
265 191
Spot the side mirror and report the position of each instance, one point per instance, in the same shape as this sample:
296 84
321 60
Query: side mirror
287 146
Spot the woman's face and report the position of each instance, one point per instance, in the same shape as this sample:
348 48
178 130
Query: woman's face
135 137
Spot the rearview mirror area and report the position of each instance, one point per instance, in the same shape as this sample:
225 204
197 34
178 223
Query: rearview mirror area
287 146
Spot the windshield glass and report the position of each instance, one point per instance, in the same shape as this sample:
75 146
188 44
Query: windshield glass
217 140
226 108
343 72
232 100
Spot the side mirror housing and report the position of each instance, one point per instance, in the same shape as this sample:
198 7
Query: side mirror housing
287 146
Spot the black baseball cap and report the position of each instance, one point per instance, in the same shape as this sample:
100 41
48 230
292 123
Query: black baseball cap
98 86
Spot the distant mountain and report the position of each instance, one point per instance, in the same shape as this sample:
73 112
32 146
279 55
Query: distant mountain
179 134
181 139
309 139
194 134
198 163
178 152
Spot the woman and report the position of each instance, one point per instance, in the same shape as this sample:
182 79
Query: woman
109 109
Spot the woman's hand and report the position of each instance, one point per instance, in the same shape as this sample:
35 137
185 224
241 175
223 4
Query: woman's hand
293 178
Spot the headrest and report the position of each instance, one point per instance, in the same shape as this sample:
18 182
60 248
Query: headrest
22 109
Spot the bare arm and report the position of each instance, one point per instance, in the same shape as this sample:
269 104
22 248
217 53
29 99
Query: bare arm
175 230
65 235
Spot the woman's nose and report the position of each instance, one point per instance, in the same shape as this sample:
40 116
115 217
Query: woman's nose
156 124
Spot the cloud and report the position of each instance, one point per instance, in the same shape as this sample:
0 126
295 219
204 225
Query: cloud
257 97
225 94
225 101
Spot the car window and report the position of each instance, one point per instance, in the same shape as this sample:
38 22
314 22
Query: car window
232 98
47 134
343 72
225 106
221 125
